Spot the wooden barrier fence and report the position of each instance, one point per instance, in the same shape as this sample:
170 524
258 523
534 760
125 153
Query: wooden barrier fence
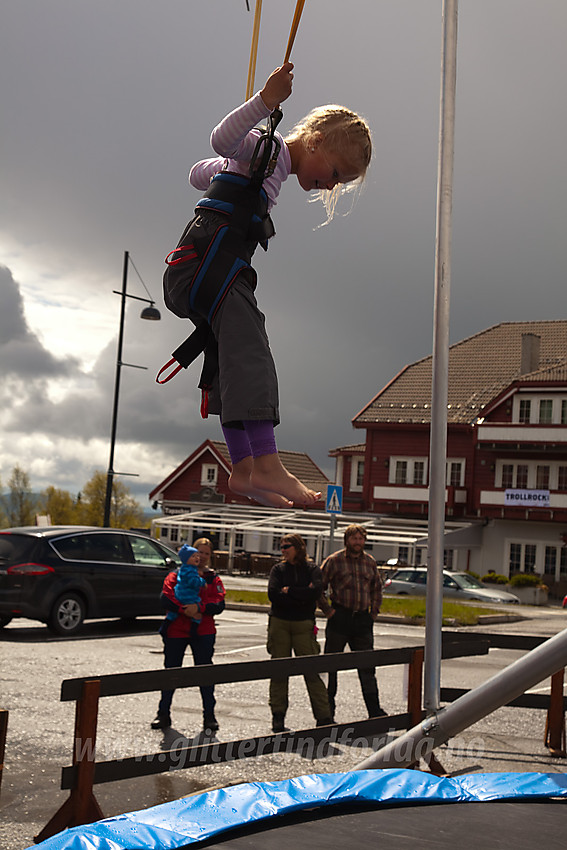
85 772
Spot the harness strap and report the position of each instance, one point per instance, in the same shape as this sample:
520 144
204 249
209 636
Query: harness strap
202 339
268 149
245 203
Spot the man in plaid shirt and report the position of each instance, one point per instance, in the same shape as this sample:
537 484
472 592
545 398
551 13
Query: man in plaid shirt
355 595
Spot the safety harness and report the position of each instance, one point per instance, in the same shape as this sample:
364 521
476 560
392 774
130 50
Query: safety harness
214 263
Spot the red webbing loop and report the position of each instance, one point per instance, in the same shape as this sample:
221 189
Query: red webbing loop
167 366
191 255
204 403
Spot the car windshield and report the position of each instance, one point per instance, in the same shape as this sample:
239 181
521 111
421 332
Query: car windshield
404 575
15 547
468 582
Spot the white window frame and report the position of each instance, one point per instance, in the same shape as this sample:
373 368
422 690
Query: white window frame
559 406
421 482
540 547
356 462
461 462
532 466
209 474
541 419
410 461
522 402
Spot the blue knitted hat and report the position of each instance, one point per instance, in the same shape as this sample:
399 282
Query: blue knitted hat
185 552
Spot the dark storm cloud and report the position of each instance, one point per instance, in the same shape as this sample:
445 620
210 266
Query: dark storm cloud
21 352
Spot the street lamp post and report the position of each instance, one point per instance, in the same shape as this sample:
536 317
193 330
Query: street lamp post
152 314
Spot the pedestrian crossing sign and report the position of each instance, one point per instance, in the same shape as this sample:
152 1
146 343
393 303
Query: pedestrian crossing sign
334 499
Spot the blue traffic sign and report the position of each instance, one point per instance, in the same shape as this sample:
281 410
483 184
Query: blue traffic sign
334 499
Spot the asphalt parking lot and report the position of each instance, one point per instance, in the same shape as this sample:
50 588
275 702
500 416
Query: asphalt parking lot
40 728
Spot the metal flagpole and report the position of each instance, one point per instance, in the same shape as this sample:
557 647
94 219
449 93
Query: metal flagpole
440 362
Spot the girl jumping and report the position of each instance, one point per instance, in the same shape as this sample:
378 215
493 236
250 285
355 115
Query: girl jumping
209 278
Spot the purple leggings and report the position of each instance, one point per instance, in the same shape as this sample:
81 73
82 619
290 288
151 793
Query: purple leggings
255 440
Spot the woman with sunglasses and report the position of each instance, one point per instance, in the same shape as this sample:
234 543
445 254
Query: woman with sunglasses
294 586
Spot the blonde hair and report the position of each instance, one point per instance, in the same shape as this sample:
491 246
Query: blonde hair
204 541
343 132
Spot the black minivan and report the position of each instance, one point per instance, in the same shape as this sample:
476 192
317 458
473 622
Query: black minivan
62 575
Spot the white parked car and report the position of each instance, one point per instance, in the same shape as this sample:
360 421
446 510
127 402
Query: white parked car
412 581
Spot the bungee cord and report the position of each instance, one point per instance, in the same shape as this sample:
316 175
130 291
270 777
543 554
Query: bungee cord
294 28
253 50
256 36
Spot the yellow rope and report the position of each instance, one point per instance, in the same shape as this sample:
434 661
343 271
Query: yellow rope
254 50
294 26
256 36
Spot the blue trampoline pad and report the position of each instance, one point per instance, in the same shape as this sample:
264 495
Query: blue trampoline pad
516 811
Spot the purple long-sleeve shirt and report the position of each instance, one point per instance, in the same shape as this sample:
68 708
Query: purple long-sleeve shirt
234 139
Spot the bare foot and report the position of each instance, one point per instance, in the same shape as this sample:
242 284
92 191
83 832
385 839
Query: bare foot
268 473
240 482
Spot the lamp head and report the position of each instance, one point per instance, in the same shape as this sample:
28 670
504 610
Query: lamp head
152 313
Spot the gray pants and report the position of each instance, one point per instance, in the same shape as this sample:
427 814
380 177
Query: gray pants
285 637
246 386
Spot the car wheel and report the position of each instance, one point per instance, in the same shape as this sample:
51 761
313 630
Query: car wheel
4 621
67 615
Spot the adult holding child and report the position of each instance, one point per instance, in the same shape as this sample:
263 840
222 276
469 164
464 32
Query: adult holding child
294 586
182 632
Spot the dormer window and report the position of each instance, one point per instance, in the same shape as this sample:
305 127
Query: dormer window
545 411
525 410
537 409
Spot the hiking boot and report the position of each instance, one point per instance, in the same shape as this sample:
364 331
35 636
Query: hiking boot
278 723
210 723
378 713
161 721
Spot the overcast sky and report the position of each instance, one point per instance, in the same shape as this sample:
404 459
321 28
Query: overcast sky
106 104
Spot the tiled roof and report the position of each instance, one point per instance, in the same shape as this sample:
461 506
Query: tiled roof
557 372
298 463
480 367
357 448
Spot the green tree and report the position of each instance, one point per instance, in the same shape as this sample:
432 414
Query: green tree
19 504
3 517
125 511
59 505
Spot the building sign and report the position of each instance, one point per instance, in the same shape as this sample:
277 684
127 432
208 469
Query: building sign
527 498
173 510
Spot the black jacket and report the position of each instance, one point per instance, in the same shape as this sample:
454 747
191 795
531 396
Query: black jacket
299 602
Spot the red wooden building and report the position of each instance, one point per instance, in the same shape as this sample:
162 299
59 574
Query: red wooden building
506 449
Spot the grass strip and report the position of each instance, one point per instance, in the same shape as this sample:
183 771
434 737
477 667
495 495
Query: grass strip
410 607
